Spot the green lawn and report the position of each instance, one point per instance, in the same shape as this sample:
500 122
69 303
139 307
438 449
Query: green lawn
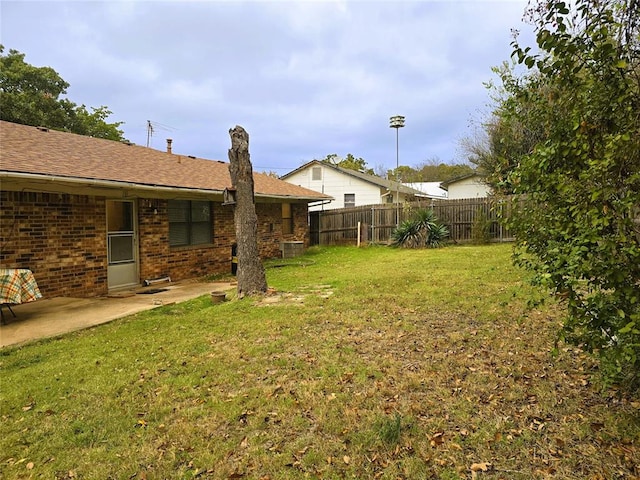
365 363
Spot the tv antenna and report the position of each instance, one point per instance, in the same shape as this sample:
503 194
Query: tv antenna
152 127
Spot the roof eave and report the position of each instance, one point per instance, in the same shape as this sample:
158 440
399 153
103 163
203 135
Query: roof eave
101 183
44 179
292 197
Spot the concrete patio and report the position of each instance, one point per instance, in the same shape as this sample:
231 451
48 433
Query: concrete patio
55 316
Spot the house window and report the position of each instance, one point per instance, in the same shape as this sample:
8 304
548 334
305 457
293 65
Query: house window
316 173
349 200
190 223
287 219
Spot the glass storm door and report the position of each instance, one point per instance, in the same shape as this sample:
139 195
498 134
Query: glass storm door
122 269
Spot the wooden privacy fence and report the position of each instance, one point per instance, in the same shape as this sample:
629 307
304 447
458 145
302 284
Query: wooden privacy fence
468 220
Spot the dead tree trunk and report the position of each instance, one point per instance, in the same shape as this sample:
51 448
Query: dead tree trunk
250 274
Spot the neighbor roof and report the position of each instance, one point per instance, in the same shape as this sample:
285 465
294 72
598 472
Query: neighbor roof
451 181
59 155
429 189
374 179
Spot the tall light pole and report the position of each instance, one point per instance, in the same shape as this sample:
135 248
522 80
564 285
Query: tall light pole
397 122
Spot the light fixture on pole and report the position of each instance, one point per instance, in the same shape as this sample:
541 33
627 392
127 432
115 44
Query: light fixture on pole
397 122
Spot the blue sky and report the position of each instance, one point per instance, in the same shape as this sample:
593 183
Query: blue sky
304 78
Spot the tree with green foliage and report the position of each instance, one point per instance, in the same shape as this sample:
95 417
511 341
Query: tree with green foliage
511 132
32 96
432 170
577 218
350 162
404 174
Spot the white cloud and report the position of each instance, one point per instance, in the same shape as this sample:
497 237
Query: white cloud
305 78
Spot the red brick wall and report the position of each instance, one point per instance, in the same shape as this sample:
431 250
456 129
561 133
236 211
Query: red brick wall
62 239
157 259
300 213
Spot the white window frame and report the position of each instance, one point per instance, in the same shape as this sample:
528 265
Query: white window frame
352 200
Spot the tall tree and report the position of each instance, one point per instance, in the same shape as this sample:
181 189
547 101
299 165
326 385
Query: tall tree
577 221
511 132
251 275
32 96
94 123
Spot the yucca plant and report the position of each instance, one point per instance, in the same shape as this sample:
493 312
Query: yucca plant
426 218
408 234
437 236
423 230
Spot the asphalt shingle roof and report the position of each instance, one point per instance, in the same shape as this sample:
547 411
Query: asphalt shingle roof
34 150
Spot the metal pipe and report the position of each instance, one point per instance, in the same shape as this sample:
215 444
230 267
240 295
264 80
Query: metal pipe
157 280
397 122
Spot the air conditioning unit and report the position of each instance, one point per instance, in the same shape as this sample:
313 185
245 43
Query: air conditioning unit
292 249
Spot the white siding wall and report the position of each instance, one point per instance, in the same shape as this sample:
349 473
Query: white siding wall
471 187
336 184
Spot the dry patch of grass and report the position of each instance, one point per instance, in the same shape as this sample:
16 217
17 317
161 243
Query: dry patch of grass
373 363
296 297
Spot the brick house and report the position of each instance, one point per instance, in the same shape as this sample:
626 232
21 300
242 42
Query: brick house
88 215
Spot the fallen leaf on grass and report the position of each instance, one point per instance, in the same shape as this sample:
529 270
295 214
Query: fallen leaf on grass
437 439
244 443
279 389
347 377
346 459
546 471
480 467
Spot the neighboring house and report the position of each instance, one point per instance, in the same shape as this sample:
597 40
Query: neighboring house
429 189
348 187
88 215
467 186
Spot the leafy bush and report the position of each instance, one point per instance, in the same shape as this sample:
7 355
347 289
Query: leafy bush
579 187
423 230
481 228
